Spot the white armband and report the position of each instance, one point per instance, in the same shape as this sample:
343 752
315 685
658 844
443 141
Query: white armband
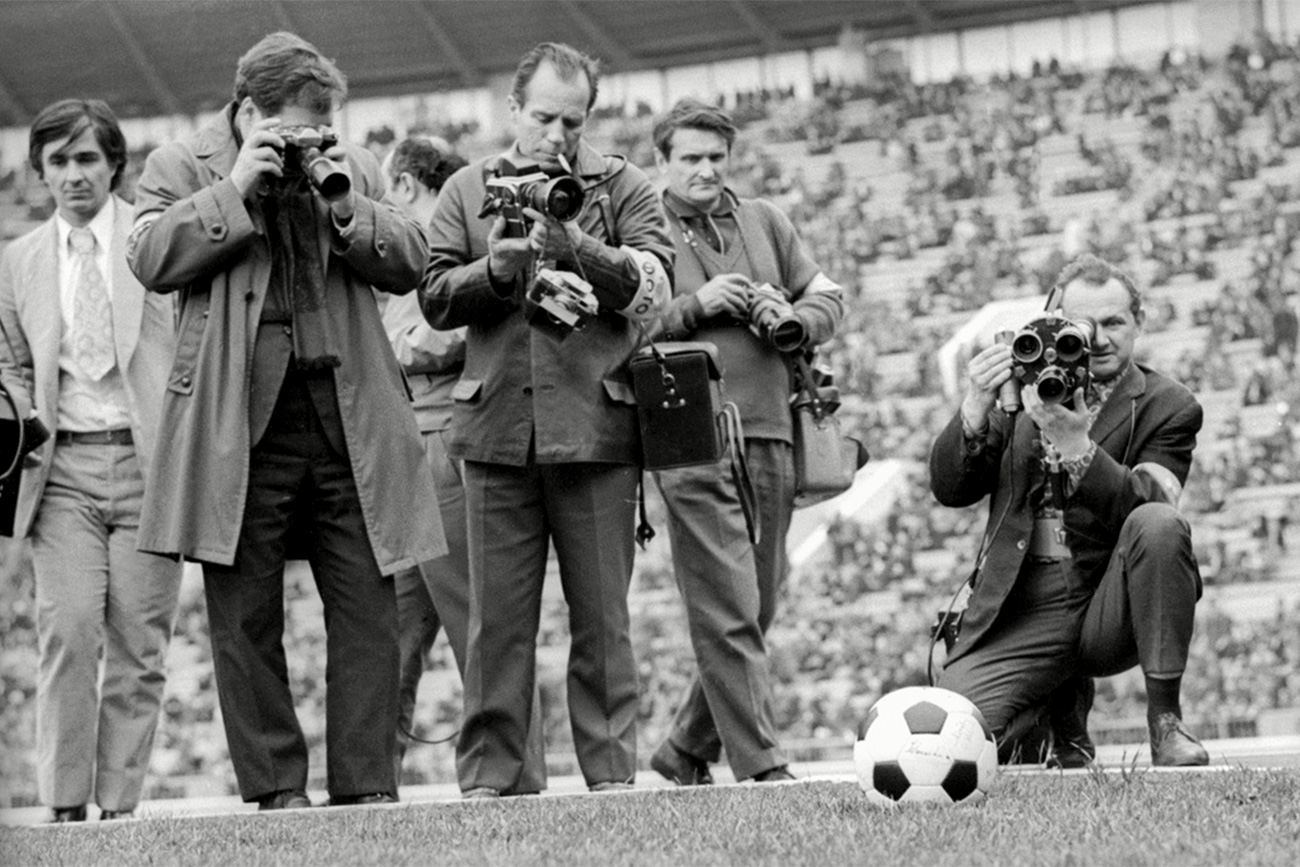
653 288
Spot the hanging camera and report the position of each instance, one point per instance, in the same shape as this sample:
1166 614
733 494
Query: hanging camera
559 302
303 153
515 186
771 318
1051 354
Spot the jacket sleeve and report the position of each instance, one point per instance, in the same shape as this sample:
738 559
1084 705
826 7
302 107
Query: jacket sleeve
185 229
614 269
383 246
456 288
15 354
818 300
962 472
1111 490
418 347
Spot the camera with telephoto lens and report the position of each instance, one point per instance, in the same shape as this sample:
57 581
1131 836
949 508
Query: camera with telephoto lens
560 302
515 186
771 318
1051 354
303 153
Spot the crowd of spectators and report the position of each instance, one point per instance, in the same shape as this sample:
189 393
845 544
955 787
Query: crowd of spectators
966 162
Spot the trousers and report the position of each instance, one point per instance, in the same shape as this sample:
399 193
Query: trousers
300 484
97 597
587 511
730 588
1053 627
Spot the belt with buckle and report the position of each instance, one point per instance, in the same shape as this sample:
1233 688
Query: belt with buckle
118 437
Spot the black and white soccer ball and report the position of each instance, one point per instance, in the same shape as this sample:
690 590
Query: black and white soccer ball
922 744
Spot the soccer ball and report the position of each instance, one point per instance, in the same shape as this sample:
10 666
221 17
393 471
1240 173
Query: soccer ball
925 744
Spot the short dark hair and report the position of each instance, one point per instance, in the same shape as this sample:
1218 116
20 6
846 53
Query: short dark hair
285 69
691 113
1098 272
568 62
425 161
69 118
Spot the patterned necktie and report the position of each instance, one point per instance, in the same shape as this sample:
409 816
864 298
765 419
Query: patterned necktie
92 317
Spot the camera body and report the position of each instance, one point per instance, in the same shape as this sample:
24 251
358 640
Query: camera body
559 302
515 186
770 317
1051 355
303 153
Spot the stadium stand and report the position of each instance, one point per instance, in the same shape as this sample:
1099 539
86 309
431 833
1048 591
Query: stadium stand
929 203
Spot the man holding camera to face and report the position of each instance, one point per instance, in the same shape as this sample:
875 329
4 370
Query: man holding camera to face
289 431
1086 568
744 282
549 254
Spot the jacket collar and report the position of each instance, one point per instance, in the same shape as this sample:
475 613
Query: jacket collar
1132 385
218 143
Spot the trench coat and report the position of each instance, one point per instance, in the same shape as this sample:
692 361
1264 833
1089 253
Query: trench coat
195 236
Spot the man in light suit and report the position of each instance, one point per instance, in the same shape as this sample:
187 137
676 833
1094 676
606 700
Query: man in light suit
87 351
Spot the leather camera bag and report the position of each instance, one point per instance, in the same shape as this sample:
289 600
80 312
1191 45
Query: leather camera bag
678 388
825 460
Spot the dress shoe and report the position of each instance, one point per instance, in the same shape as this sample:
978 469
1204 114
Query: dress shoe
1173 745
285 799
69 814
779 774
613 786
1071 754
108 815
681 768
362 800
480 793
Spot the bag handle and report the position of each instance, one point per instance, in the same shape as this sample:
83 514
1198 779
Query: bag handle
734 436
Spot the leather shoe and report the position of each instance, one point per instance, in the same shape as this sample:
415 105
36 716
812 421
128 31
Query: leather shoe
1173 745
612 786
779 774
480 793
1072 754
69 814
285 799
107 815
362 800
681 768
1067 709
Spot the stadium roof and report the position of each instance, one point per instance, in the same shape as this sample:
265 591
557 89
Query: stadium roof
158 57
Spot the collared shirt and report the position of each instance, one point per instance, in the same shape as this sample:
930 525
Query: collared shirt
86 405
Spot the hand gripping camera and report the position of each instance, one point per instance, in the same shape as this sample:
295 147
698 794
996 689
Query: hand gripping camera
515 186
771 318
303 156
1051 354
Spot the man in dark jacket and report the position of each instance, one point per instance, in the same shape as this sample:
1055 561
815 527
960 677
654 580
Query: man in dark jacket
545 424
1088 567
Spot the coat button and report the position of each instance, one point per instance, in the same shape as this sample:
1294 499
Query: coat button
1021 545
528 389
185 381
288 329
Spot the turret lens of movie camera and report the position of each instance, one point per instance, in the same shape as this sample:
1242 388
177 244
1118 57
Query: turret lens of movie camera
1070 344
1051 385
1027 347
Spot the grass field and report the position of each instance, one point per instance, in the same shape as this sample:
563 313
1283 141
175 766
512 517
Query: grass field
1125 816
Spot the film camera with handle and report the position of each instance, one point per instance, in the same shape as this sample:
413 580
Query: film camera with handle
1051 355
557 301
304 156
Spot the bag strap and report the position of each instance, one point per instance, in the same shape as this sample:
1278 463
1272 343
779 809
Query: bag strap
734 436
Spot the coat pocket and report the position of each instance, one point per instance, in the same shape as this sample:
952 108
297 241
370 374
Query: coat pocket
194 320
467 390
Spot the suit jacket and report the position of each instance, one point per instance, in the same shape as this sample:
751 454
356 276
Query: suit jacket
522 389
143 334
1148 418
196 237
